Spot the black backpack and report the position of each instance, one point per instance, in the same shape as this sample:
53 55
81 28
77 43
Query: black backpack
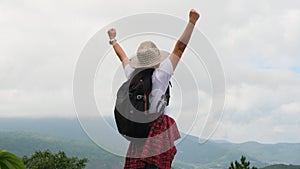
132 105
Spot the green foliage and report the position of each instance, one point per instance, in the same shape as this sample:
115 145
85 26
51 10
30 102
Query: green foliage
243 165
10 161
45 160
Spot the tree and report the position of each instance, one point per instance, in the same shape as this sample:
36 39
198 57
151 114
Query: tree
10 161
45 160
243 165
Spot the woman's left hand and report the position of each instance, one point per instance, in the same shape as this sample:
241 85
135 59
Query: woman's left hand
112 33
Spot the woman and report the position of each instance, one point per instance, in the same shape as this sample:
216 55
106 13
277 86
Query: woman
161 147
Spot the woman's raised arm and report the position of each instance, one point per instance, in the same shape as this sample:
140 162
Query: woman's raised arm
118 49
184 38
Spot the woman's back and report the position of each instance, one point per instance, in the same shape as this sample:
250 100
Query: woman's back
160 82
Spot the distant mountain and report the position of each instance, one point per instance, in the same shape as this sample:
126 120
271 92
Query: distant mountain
67 135
285 153
69 128
282 166
219 154
212 154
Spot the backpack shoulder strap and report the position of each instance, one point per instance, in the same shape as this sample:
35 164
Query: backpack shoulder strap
167 94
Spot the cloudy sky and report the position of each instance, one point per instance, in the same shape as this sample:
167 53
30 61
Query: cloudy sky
257 42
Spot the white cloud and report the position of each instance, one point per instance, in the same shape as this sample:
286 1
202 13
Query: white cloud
290 20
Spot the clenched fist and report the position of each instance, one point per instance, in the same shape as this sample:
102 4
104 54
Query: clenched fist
193 16
112 33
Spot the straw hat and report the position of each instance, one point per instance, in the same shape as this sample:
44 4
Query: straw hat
148 55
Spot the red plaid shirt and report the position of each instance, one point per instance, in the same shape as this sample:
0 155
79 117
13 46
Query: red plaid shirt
158 149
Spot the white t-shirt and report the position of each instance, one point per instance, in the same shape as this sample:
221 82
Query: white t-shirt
160 82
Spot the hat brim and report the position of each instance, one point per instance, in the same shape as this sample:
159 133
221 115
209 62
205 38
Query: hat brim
134 62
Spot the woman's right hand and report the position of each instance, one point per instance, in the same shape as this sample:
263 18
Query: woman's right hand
112 33
193 16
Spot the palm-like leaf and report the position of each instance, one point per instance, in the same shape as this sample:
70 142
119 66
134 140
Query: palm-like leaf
10 161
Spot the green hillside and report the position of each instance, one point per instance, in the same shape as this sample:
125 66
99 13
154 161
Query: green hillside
282 166
211 155
190 154
286 153
24 143
189 150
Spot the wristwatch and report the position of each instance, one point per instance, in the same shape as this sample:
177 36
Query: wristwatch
112 41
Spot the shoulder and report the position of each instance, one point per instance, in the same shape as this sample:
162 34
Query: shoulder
162 75
166 66
128 70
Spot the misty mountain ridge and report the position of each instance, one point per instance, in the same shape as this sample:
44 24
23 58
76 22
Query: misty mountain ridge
66 134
